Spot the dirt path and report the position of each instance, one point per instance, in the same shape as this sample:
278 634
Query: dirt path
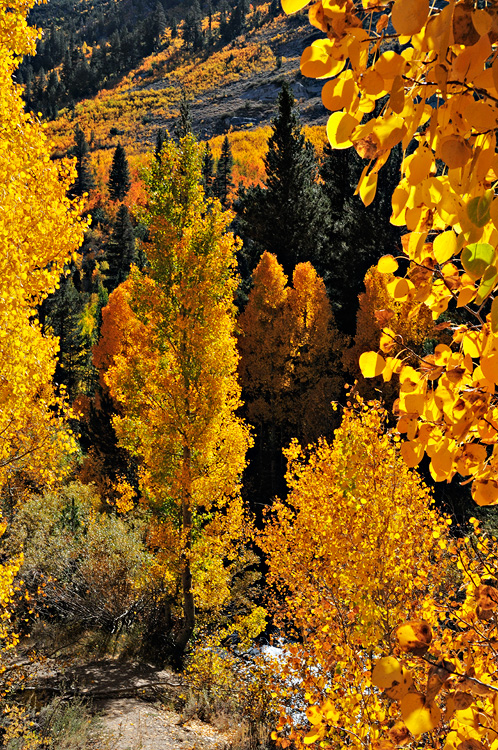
132 724
129 700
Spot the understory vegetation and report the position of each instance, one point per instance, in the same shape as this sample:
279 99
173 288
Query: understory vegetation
248 419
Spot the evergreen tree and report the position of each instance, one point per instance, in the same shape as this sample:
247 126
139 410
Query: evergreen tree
119 177
288 216
160 138
120 250
223 182
352 225
184 125
62 313
208 171
84 180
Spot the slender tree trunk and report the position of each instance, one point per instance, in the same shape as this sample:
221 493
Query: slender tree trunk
188 597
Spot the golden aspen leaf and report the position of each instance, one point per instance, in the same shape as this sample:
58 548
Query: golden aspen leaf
397 97
481 21
419 716
412 453
419 165
466 295
455 152
442 461
387 264
488 283
462 700
389 65
316 61
386 671
409 16
414 636
494 316
372 83
471 744
313 715
485 492
463 28
312 736
371 364
489 367
398 288
478 208
481 116
340 125
382 23
399 734
339 92
476 258
445 246
493 212
293 6
368 187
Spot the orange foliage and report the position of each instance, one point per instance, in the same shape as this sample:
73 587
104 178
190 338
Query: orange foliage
289 348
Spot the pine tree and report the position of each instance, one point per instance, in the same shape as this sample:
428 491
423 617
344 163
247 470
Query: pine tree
352 225
208 171
120 250
160 138
184 125
119 177
223 182
63 319
84 180
288 215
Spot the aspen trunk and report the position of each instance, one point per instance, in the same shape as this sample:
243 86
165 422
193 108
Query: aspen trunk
188 597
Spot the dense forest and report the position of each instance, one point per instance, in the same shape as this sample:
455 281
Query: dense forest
248 427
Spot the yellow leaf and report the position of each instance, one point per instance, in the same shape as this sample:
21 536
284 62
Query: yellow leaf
387 670
412 453
312 736
398 288
340 125
371 364
387 264
419 717
292 6
455 151
409 16
339 93
481 21
368 187
317 62
485 492
489 366
494 316
414 636
445 246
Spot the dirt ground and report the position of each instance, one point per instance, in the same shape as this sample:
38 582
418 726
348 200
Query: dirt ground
132 724
133 703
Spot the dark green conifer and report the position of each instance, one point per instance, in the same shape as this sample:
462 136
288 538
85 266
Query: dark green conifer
84 180
208 171
120 249
288 216
119 177
184 124
223 181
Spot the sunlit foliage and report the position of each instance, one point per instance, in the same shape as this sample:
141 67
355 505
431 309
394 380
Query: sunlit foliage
173 374
351 552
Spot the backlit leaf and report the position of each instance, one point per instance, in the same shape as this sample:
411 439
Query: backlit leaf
371 364
476 258
414 636
408 16
418 716
387 264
